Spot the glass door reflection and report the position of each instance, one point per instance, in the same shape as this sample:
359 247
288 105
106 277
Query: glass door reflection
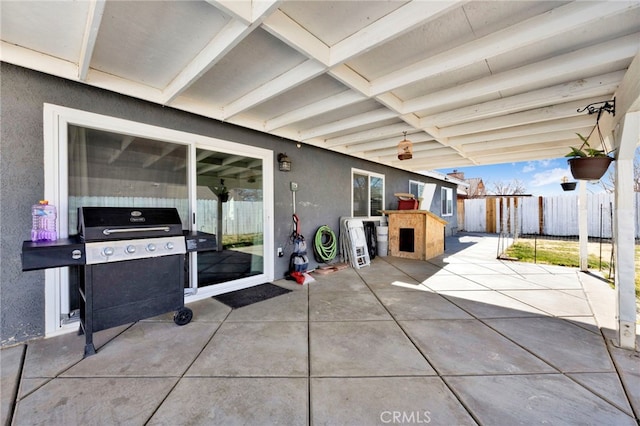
230 205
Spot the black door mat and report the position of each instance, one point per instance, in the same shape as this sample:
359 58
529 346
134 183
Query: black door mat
239 298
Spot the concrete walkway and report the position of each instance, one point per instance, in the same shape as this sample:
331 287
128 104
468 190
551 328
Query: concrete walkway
462 339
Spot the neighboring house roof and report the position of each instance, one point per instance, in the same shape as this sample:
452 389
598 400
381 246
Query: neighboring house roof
476 187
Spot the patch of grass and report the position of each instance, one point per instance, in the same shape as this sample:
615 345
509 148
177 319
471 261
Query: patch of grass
564 253
525 251
241 240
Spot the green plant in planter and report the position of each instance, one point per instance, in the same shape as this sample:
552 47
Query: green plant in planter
587 163
585 150
221 192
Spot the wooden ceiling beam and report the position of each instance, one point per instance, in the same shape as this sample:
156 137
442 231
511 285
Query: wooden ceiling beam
405 18
229 37
578 122
601 85
542 138
331 103
94 18
542 27
588 60
296 76
347 123
538 115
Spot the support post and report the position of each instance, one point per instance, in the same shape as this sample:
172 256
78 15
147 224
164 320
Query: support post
583 226
219 226
624 232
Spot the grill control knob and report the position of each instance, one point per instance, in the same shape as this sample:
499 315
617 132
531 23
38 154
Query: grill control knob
151 247
107 251
131 249
169 245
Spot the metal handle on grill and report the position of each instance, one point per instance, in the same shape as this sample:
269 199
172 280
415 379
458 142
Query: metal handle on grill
108 231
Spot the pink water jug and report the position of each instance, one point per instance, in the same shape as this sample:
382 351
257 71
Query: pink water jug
43 222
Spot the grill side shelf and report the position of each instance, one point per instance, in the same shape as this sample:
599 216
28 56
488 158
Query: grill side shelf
52 254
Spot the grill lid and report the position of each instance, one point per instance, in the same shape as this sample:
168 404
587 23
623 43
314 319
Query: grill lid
119 223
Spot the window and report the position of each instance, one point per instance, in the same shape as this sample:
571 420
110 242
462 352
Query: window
367 196
416 188
447 201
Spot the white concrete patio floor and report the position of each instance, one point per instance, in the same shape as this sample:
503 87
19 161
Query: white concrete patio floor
461 339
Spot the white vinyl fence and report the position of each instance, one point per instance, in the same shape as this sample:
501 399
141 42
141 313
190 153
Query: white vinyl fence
556 216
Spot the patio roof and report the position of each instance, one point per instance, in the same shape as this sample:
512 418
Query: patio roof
471 83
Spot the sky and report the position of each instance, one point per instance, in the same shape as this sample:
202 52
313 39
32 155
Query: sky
540 178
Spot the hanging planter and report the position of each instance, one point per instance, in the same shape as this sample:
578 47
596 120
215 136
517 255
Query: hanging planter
566 185
589 168
587 163
221 192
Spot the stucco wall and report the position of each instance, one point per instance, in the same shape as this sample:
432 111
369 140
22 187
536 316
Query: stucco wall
324 179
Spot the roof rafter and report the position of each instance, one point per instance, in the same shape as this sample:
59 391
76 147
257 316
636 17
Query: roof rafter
529 129
547 113
420 141
398 22
347 123
367 135
554 137
298 75
584 88
331 103
232 34
588 58
94 18
541 27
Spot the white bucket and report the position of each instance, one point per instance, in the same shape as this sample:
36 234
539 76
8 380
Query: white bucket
382 247
382 232
382 240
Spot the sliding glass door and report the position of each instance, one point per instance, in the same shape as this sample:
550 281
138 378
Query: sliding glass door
108 169
218 187
230 204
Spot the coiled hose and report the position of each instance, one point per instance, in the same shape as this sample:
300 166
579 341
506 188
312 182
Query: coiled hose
325 244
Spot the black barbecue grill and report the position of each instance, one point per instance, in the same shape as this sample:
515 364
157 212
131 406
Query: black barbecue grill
132 265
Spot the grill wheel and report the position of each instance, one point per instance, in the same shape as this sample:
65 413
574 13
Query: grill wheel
183 316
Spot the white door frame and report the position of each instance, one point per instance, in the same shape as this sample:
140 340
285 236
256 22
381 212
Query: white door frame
55 128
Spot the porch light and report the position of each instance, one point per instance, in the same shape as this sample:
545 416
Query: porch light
284 162
405 149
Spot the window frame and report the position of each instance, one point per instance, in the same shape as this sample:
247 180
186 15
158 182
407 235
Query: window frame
420 186
369 175
446 201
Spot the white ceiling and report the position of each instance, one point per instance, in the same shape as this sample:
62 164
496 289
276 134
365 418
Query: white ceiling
471 82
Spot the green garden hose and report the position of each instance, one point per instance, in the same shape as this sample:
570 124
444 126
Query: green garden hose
325 244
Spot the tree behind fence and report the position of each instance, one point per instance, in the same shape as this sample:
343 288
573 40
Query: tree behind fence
556 216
